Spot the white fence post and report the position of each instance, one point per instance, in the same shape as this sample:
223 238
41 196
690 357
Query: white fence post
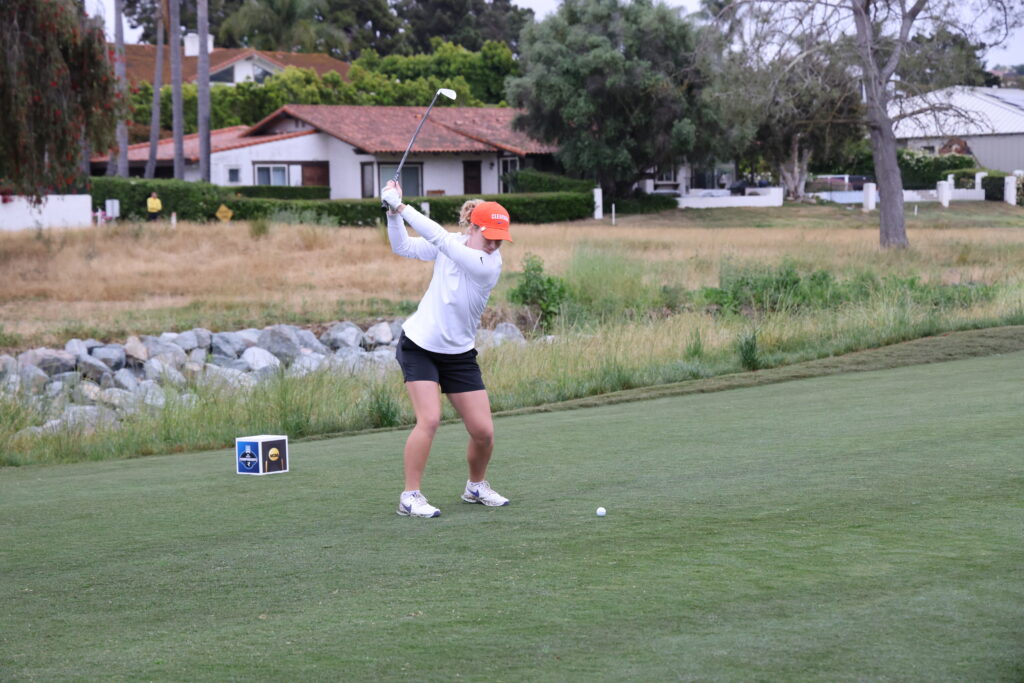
869 197
977 179
598 204
1010 190
943 189
425 209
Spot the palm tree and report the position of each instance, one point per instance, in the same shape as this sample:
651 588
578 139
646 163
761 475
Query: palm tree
177 108
158 77
121 76
203 20
288 25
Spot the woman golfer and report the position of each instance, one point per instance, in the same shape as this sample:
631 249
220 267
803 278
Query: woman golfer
435 348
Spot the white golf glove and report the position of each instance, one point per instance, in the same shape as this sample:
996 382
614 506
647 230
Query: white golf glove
392 197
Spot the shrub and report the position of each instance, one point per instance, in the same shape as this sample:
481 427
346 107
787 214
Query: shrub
281 191
549 207
641 203
192 201
545 292
528 180
994 185
746 346
921 170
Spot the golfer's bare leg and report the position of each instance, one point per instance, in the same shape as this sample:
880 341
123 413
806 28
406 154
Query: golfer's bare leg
426 403
475 409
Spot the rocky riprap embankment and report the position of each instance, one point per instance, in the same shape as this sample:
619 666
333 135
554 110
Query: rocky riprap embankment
88 383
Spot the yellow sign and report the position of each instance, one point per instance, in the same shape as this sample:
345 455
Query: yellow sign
224 213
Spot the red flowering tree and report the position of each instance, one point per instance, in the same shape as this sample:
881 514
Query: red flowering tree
57 93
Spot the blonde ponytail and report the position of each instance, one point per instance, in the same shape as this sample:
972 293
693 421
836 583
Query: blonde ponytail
467 211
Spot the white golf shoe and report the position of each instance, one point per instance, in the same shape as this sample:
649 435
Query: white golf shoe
416 505
481 492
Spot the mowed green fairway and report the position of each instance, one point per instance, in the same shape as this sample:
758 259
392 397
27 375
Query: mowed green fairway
862 526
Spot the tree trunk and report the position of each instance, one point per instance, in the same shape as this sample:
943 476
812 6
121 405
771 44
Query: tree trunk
122 86
158 78
892 227
793 170
177 107
203 106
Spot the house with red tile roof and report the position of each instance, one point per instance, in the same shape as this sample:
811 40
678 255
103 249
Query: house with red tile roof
354 149
228 66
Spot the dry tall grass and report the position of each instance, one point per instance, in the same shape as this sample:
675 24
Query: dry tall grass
125 278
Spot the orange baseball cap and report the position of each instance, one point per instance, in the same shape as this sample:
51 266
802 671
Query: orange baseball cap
492 219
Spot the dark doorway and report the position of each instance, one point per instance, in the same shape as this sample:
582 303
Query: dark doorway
471 177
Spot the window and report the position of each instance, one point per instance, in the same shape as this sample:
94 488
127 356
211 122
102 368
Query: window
508 164
234 175
271 175
224 75
411 181
666 174
366 173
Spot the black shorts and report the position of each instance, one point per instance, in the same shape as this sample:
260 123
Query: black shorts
455 372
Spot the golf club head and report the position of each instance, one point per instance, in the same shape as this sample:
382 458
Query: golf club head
447 92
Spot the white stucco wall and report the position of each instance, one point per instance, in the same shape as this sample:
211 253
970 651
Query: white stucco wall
295 150
56 211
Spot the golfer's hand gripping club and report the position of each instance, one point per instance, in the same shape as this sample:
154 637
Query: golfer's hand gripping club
391 197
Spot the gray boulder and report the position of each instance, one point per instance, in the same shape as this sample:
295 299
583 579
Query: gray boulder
229 344
113 355
259 358
379 334
151 394
167 353
11 384
186 341
311 343
198 355
227 378
203 337
396 328
192 371
76 347
158 371
306 363
343 335
8 365
135 351
233 363
251 336
121 399
168 337
86 392
125 379
507 332
33 379
282 341
50 361
88 418
68 379
93 368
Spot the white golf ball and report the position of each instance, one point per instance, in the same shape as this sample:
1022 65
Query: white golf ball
601 512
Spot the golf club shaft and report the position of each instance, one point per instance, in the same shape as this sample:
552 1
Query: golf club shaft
398 171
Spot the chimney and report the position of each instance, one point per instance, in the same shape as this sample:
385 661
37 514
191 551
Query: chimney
192 44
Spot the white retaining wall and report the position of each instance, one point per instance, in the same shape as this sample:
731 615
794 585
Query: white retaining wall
56 211
714 199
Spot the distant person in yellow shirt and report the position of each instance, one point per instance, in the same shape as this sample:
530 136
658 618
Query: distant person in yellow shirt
154 206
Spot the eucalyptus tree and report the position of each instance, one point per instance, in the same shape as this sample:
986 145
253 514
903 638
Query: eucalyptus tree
872 38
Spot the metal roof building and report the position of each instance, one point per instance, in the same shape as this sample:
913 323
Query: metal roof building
985 122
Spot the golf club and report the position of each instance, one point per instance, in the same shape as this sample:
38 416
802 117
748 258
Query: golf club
447 92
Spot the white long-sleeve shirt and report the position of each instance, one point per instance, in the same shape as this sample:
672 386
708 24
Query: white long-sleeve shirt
449 313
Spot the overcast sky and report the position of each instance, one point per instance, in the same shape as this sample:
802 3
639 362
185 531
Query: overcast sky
1012 53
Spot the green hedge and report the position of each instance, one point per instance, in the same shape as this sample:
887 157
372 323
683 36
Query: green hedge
282 191
533 208
200 201
964 178
191 201
644 203
528 180
922 170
